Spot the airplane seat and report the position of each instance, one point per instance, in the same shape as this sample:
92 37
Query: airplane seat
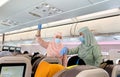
82 71
113 70
93 73
14 66
52 60
116 71
25 55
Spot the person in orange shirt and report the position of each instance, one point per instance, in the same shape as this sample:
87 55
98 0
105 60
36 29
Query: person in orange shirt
46 69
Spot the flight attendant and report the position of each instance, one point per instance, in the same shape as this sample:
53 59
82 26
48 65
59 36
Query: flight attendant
54 47
89 51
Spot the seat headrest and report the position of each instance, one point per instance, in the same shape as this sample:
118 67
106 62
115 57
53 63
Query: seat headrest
73 71
93 73
52 60
116 71
23 64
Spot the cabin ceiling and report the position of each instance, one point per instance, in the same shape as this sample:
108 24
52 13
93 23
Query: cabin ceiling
18 14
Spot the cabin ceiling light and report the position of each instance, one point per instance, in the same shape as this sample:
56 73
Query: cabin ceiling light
2 2
44 10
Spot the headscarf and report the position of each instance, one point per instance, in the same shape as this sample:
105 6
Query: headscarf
88 36
46 69
89 43
54 49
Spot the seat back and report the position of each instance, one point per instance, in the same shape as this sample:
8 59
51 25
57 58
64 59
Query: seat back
116 71
113 70
11 66
72 72
52 60
93 73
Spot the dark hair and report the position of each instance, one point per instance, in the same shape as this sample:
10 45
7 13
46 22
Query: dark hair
75 60
109 62
25 52
119 61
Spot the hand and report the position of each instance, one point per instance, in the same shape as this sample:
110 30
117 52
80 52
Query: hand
64 51
39 26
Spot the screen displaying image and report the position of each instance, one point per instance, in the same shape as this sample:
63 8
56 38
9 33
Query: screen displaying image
12 71
18 49
12 48
5 47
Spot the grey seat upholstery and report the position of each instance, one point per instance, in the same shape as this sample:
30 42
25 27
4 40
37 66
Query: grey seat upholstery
93 73
82 71
116 71
52 60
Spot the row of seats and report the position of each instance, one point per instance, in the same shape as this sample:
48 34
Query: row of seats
22 66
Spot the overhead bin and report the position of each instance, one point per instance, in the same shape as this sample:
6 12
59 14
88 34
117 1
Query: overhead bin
100 26
84 7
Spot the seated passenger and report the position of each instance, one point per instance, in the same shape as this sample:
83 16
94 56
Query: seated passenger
45 69
54 47
75 60
119 62
35 53
25 52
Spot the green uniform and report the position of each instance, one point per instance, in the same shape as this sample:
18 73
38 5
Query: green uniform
89 50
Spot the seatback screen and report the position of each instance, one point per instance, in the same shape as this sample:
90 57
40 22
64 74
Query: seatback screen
12 70
12 49
5 48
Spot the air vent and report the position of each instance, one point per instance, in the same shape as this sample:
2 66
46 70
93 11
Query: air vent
44 10
36 15
8 22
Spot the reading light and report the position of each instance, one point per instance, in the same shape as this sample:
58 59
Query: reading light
2 2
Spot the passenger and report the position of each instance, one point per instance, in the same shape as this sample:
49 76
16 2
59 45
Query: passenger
75 60
45 69
35 53
53 48
119 62
106 63
89 50
25 52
